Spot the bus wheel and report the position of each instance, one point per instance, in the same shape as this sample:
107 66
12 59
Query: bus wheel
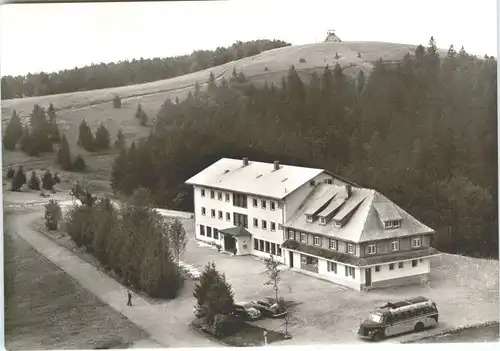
377 336
419 327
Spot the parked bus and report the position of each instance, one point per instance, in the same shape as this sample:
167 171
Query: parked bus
415 314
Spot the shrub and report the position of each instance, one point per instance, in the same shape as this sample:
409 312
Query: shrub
302 60
266 69
79 164
48 180
117 102
10 173
52 215
34 182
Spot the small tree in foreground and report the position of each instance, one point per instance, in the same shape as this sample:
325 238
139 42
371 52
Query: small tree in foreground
178 238
273 274
214 297
117 102
53 214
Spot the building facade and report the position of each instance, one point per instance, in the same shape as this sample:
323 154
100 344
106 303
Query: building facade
311 220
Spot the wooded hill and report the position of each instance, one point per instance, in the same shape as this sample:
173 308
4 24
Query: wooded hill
422 132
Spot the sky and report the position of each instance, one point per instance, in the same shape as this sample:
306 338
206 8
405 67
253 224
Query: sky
50 37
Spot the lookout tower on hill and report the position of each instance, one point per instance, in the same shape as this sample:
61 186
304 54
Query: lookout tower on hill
332 37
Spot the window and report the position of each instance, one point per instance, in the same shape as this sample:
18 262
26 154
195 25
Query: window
414 263
377 268
228 216
261 245
322 220
263 204
273 249
203 211
221 216
240 220
227 197
264 225
333 244
278 248
216 233
213 213
332 267
219 195
273 226
202 192
256 223
416 242
400 265
337 224
395 245
303 259
309 218
255 202
303 237
239 200
346 271
371 249
202 230
392 224
391 266
329 181
255 244
312 183
209 231
268 247
350 248
272 205
212 194
291 234
352 272
317 241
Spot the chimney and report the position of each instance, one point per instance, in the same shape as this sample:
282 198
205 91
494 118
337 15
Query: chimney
276 165
348 190
245 161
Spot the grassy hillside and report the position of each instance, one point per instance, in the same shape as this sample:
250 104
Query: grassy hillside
96 106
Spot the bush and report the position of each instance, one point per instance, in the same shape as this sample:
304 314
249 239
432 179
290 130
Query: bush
79 164
266 69
117 102
34 182
52 215
302 60
10 173
48 180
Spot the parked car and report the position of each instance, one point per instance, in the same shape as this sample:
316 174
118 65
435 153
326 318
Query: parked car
269 308
246 310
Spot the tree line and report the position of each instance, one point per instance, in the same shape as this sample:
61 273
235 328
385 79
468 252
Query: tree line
134 241
422 132
99 76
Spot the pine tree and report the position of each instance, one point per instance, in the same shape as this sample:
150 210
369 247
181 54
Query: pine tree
48 181
64 155
10 173
13 132
41 134
85 136
34 182
53 215
102 138
79 164
178 238
120 140
211 87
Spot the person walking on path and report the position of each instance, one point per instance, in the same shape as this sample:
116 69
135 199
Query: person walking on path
129 302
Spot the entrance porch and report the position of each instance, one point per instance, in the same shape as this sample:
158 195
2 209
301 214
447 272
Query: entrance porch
236 240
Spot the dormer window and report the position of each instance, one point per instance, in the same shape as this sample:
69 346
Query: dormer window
322 220
392 224
309 218
337 224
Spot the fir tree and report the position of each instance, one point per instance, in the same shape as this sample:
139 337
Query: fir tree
102 138
19 179
64 155
85 136
34 182
48 181
53 215
120 140
13 132
117 102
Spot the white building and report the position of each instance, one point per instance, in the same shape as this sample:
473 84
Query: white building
243 204
311 220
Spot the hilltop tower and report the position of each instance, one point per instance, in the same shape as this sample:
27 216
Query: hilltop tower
332 37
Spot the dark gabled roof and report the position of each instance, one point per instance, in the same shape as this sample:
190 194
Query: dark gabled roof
354 260
235 231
